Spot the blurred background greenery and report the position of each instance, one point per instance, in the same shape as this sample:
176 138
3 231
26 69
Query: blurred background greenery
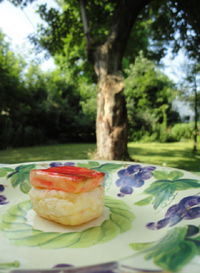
51 115
177 155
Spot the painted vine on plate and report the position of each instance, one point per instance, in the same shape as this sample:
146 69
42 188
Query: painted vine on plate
18 176
162 191
173 251
9 265
15 227
14 222
188 208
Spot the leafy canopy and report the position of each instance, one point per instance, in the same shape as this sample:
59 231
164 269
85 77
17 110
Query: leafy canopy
149 95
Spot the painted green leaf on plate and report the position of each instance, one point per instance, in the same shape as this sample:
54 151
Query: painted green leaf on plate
110 230
9 265
5 170
171 252
14 226
26 168
184 184
173 175
160 175
14 210
35 240
122 222
89 237
126 213
20 176
109 167
89 165
16 179
25 187
145 201
163 195
115 204
163 190
62 241
7 218
25 206
140 246
17 235
3 173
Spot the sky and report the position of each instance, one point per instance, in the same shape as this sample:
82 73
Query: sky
17 25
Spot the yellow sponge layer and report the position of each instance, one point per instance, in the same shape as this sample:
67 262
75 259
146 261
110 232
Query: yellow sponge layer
68 208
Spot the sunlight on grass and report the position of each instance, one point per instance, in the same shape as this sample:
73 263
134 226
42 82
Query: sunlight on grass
46 153
178 155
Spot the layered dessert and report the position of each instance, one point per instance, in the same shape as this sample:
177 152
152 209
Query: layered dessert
68 195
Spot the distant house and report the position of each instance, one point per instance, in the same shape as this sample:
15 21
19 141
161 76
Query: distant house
184 110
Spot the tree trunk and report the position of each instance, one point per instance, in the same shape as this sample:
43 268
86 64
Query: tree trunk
195 115
111 123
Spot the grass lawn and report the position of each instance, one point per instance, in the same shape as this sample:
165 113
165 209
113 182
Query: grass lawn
46 153
178 155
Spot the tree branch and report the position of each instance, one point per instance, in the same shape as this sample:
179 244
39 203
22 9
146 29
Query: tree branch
89 40
85 22
124 17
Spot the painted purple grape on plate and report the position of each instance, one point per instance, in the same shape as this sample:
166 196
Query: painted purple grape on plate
58 164
187 209
3 198
131 177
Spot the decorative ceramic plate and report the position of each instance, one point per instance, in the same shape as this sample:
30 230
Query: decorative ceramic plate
151 221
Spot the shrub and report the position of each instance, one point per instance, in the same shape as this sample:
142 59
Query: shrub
182 131
179 132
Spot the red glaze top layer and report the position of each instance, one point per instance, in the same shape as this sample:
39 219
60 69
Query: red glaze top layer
67 178
72 170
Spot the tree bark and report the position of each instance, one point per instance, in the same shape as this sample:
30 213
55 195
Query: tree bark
111 123
195 115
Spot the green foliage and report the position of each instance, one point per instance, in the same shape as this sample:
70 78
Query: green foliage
147 89
175 23
63 37
39 108
63 118
182 131
10 72
149 95
159 23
